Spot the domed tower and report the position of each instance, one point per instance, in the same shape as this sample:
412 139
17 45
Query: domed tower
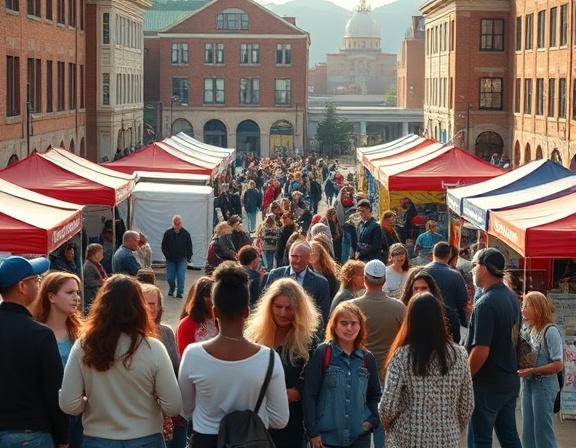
362 31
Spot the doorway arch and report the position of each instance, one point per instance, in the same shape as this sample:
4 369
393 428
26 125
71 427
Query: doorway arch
215 134
539 153
487 144
556 157
527 153
182 125
13 159
248 137
282 138
72 147
516 160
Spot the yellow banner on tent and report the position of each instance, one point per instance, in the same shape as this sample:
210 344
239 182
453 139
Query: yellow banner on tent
391 200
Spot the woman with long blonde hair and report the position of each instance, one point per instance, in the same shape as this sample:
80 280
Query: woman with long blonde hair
539 383
57 308
286 320
324 264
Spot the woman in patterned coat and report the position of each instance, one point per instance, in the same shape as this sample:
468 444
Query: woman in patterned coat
427 398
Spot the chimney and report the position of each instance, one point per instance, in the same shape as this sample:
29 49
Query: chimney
291 20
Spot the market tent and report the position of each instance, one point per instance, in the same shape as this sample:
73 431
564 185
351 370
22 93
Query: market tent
412 149
477 209
86 184
425 174
32 223
229 154
528 175
383 147
546 229
154 204
172 178
161 157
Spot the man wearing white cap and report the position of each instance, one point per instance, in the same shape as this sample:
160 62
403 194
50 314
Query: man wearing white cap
30 365
384 316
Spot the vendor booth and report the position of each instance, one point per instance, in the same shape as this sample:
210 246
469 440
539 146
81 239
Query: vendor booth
154 204
227 154
161 157
32 223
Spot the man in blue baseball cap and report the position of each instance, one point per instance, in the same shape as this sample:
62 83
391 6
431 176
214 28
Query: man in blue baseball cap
30 365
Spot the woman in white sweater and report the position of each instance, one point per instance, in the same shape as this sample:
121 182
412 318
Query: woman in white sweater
232 361
118 375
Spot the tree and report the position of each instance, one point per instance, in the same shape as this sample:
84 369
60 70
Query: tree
333 134
390 97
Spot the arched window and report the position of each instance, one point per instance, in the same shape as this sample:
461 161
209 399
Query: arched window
248 137
215 133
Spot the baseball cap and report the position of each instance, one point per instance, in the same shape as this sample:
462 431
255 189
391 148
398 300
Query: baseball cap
364 203
14 269
375 269
493 260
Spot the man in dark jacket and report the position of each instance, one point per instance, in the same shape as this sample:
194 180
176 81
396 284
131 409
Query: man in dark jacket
369 234
177 249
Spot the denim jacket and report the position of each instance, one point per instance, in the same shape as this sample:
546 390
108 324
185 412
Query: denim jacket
337 403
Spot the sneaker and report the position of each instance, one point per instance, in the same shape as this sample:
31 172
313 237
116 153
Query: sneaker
179 297
171 294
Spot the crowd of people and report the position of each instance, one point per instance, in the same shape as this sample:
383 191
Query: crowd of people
360 327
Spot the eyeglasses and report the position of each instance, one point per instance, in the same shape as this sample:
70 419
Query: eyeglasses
38 278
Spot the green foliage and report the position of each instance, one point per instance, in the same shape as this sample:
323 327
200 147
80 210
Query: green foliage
390 97
333 133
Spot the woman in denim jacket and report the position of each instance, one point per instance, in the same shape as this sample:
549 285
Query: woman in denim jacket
341 386
540 383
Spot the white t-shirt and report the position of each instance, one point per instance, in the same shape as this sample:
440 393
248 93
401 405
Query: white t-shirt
212 388
394 282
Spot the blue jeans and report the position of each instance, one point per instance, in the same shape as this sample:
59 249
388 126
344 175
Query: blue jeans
76 432
179 438
314 205
19 439
153 441
251 221
538 413
176 270
268 259
346 247
494 411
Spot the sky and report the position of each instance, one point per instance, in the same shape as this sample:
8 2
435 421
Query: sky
347 4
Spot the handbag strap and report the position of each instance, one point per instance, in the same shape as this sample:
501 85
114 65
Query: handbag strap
264 387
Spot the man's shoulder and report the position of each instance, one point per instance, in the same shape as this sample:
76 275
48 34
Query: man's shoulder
316 276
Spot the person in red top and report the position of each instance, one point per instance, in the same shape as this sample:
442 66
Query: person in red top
197 322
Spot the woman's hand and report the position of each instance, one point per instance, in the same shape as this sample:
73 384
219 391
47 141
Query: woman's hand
523 373
316 442
293 394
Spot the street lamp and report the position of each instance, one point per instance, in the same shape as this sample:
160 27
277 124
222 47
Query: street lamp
173 99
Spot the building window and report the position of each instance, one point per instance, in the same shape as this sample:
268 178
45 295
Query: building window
12 86
529 31
540 40
553 26
60 12
518 33
492 35
35 84
106 28
49 10
517 96
12 5
106 89
249 53
249 91
213 91
562 98
179 54
232 19
213 53
527 96
72 13
180 89
573 103
49 87
81 15
34 8
71 86
282 91
491 93
539 96
61 83
82 97
551 97
283 54
563 25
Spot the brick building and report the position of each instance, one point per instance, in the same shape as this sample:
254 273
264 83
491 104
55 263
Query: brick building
230 73
469 74
410 85
543 106
43 59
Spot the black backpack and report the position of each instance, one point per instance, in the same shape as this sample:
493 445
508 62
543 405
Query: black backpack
245 429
